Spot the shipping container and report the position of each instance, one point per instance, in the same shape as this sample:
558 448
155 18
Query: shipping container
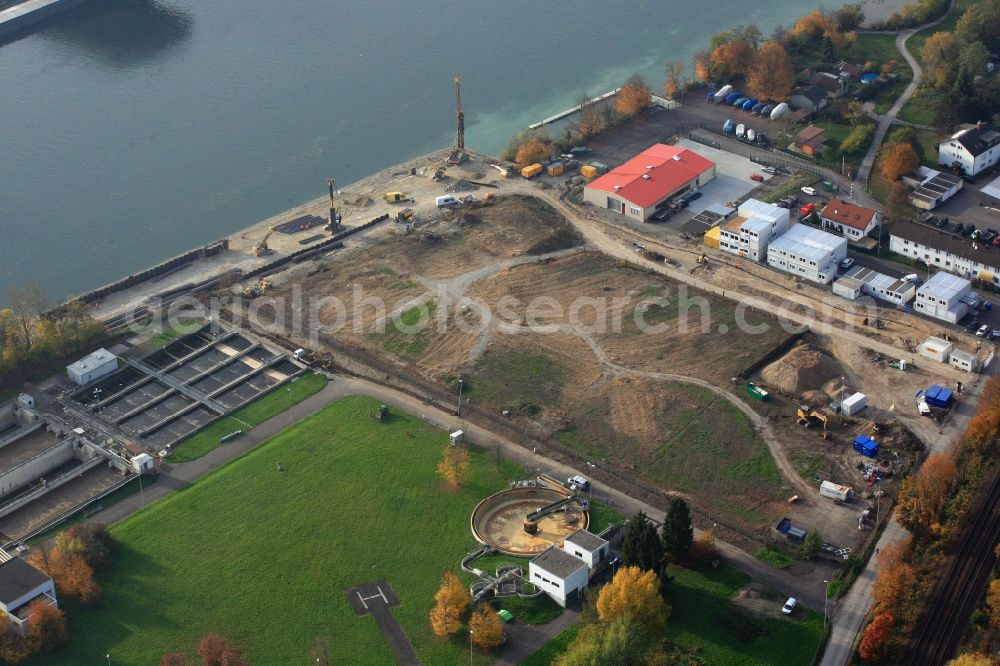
531 170
555 169
853 404
588 171
835 491
938 396
755 391
601 168
866 446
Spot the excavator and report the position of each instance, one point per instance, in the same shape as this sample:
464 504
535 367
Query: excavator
260 249
811 418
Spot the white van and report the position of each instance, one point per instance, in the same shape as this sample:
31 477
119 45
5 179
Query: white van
447 201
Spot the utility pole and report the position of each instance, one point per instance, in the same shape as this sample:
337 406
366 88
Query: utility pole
459 410
334 221
459 116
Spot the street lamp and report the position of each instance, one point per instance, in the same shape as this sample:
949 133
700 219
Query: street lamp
97 396
826 601
470 647
459 411
109 658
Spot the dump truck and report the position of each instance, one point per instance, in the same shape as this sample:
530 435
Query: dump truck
835 491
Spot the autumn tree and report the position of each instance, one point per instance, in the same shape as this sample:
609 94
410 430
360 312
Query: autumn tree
898 159
90 541
938 55
732 59
702 61
675 79
642 546
487 629
455 466
897 204
533 150
46 625
590 121
634 96
634 593
217 650
972 659
875 639
771 77
451 602
922 495
893 573
73 577
27 305
678 533
993 603
618 643
174 659
703 550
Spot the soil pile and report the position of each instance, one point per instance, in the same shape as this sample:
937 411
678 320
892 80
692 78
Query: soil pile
800 370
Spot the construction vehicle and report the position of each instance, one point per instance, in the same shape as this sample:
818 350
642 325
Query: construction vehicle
260 248
811 418
568 505
405 215
458 155
397 197
702 259
506 172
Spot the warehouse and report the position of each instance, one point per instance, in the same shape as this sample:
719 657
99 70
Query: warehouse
655 175
942 297
808 253
881 286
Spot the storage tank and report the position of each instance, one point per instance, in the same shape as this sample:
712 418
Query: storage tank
555 169
723 93
779 111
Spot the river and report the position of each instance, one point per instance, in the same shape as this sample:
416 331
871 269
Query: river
133 130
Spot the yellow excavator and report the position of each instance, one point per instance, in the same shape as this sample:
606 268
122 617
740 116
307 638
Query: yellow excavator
811 418
261 248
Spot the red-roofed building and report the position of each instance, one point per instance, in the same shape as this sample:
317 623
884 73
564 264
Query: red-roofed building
656 174
852 221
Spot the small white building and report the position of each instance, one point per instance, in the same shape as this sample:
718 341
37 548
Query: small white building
932 188
973 150
853 404
808 253
942 297
853 222
559 574
751 230
93 366
21 585
848 288
881 286
936 349
588 547
964 360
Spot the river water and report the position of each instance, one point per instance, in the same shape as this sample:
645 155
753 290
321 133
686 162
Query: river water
133 130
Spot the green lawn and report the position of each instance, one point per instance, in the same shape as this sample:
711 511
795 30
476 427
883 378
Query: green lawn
264 556
882 49
406 338
253 414
704 620
548 652
918 109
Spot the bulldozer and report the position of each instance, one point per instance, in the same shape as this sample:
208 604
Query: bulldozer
405 215
260 248
811 418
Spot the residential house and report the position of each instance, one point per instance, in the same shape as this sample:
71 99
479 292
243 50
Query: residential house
809 98
945 250
833 85
852 221
810 141
850 71
973 150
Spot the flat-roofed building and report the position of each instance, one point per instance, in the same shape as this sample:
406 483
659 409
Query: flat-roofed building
751 231
942 297
808 253
881 286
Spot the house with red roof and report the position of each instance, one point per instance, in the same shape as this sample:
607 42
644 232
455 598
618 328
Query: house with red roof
657 174
852 221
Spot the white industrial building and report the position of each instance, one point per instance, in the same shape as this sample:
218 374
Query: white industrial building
877 285
964 360
973 150
808 253
91 367
942 249
559 574
590 548
943 297
21 585
936 349
751 230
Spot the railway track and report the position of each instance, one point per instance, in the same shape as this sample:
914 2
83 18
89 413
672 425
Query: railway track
958 591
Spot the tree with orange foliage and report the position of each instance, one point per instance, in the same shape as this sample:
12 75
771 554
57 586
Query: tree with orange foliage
703 65
46 625
972 659
487 629
922 495
876 636
590 120
985 423
732 59
452 600
993 602
633 97
533 150
73 577
675 79
217 650
892 574
771 77
455 466
634 593
897 159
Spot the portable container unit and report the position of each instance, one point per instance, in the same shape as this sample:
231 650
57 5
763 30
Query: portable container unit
938 396
456 437
853 404
866 446
964 361
531 170
756 392
555 169
601 168
588 171
936 349
835 491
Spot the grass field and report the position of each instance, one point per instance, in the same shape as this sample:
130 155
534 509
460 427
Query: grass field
882 49
265 556
705 621
253 414
548 652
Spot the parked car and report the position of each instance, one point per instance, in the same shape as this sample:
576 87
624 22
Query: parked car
661 215
757 177
809 190
941 222
846 263
972 326
987 236
958 228
789 606
969 230
995 334
769 169
983 331
762 139
693 196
